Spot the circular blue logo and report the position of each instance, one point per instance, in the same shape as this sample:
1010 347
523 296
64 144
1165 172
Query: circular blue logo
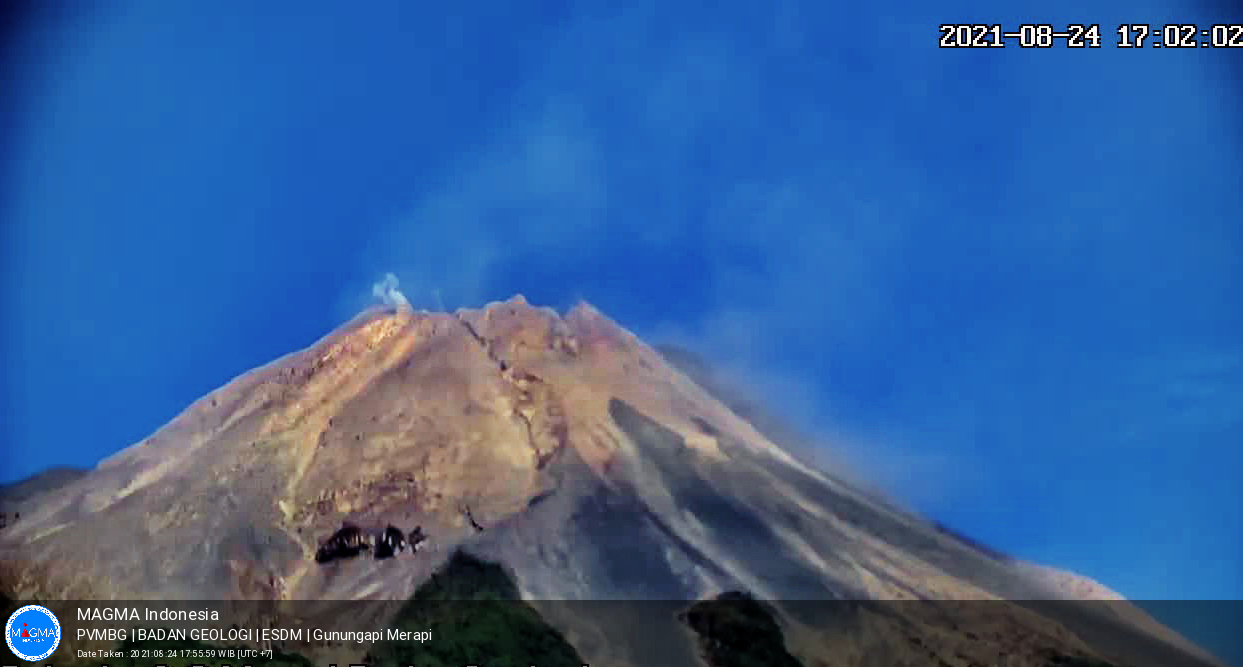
32 633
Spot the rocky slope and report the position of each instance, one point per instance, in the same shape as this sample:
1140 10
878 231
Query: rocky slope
13 496
590 466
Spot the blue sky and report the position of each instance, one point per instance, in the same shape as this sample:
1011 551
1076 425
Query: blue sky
1004 283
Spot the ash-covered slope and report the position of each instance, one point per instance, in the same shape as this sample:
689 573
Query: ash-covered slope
591 468
16 494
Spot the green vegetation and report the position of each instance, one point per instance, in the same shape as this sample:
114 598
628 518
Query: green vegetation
735 630
476 616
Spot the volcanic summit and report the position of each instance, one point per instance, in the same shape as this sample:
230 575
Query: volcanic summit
588 464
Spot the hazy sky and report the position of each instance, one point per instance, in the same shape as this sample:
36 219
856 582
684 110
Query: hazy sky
1006 283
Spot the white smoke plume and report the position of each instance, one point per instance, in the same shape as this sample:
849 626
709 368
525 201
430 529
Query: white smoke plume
386 291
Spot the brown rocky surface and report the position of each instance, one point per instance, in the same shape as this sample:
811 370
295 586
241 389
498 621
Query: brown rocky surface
596 468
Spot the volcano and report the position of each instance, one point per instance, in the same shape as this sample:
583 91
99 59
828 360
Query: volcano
586 463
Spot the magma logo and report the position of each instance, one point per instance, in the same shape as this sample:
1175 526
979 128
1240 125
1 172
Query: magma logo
32 633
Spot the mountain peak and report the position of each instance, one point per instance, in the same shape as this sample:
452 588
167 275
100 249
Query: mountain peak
585 310
562 446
